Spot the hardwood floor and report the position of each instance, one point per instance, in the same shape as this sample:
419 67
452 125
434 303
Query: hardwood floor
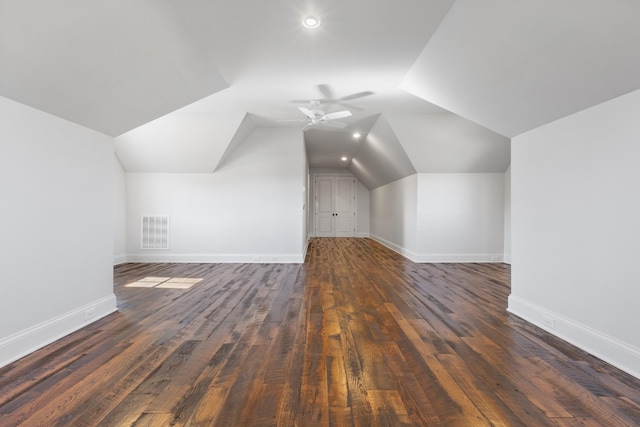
357 335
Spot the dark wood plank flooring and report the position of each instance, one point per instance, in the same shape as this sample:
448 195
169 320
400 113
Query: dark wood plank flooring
357 336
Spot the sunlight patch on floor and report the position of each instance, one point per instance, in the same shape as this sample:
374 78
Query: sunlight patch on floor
164 282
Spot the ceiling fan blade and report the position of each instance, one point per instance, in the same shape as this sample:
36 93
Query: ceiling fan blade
334 124
326 91
307 112
307 126
356 95
337 115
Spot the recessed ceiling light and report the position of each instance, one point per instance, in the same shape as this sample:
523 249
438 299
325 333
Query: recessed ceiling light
356 135
344 158
311 22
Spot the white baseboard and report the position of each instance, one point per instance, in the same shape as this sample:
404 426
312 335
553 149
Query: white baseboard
29 340
507 259
611 350
461 258
305 248
218 258
436 258
391 245
362 235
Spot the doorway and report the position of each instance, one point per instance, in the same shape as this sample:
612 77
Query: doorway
334 206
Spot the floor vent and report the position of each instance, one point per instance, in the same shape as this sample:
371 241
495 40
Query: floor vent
155 232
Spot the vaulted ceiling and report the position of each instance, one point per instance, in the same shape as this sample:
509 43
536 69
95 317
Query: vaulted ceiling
433 85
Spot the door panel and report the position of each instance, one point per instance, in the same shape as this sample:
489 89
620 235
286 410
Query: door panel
345 207
344 199
344 227
325 201
324 194
325 227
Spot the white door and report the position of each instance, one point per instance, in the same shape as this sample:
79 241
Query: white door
335 206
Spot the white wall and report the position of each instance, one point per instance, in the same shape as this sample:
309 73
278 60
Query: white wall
253 206
56 228
576 229
120 213
507 216
362 199
460 217
441 217
363 202
393 215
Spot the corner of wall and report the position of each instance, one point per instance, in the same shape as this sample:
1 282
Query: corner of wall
38 336
604 347
119 259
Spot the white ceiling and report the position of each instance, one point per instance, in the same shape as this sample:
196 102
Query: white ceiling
512 66
181 84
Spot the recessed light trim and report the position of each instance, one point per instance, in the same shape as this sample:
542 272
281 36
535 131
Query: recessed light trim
311 22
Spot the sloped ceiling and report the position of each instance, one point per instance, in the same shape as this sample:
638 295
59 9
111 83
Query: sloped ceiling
107 65
181 84
381 159
512 66
180 142
447 143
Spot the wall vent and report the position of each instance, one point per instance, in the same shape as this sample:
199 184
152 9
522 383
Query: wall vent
155 232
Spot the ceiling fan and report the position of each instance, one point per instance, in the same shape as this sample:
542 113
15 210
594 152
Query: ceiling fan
316 116
328 97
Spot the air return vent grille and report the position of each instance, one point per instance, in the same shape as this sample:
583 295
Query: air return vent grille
155 232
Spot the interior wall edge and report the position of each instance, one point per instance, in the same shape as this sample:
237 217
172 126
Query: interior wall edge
616 353
38 336
305 248
394 247
119 259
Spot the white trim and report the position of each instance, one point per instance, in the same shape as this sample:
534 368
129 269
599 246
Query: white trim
507 259
437 258
362 235
305 249
218 258
602 346
31 339
474 258
119 259
390 245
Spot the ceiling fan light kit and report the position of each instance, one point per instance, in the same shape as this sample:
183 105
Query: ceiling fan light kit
316 116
